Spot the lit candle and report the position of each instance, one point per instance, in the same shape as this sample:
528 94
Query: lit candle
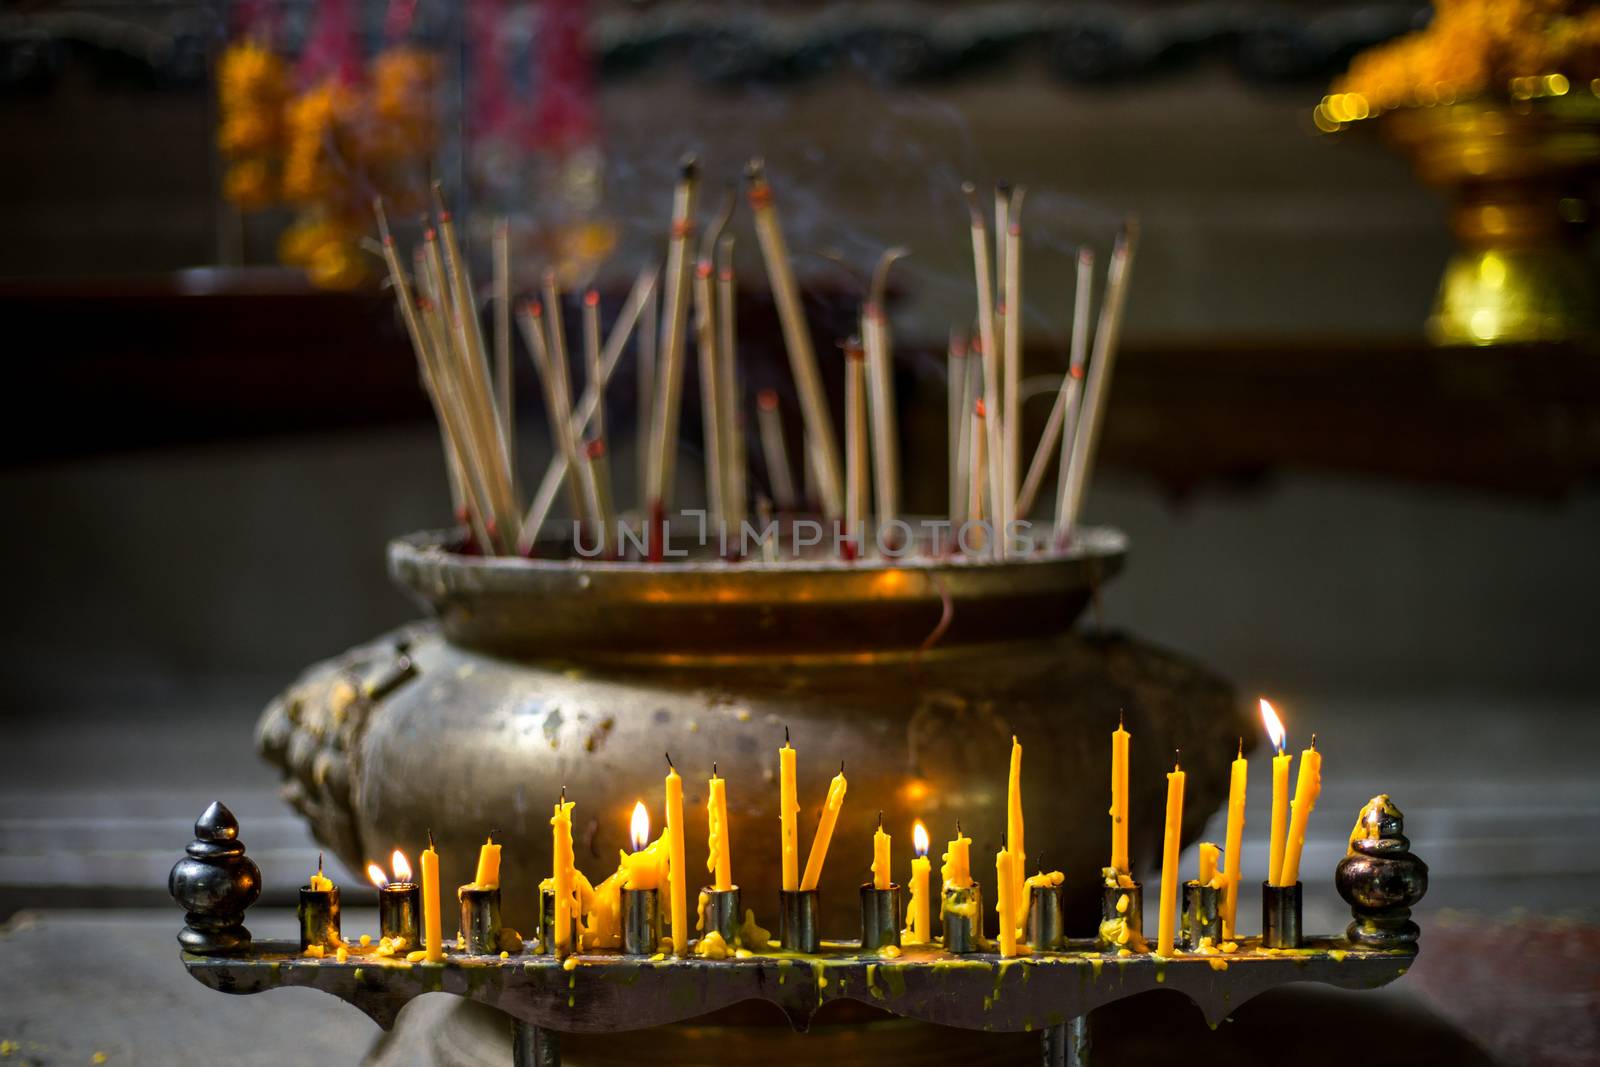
488 876
1019 899
719 860
677 873
1280 791
561 851
1119 799
1167 930
641 868
788 810
1005 868
1208 864
957 868
432 933
1234 843
880 857
819 844
1306 790
919 911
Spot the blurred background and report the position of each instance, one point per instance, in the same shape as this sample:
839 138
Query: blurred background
215 422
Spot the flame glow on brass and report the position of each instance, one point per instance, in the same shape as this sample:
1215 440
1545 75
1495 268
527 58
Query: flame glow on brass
1275 731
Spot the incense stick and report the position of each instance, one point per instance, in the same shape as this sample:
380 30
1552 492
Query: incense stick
1011 342
644 418
669 384
728 385
955 420
563 441
594 443
797 340
504 379
880 395
989 353
980 471
707 343
1064 412
775 451
855 451
1087 436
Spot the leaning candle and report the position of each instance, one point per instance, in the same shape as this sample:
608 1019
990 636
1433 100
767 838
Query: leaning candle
788 810
488 876
561 851
957 869
432 935
819 844
677 873
880 857
1119 799
919 911
719 861
1306 790
1014 834
1233 845
1280 792
1166 931
1005 867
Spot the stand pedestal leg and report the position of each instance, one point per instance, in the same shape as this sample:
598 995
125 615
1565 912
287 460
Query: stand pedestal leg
1067 1045
533 1046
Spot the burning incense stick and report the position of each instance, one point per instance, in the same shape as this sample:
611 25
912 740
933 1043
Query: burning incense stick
594 443
1065 410
989 353
1011 346
797 340
1101 364
728 384
955 422
775 452
880 394
669 383
504 380
854 542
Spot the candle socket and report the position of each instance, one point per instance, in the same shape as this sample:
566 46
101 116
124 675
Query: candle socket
641 921
1044 928
319 917
480 919
547 924
1202 919
722 913
1131 913
880 917
1280 915
399 912
797 920
962 915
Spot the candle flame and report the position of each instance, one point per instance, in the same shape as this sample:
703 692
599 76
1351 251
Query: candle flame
640 828
1275 731
376 874
400 867
919 838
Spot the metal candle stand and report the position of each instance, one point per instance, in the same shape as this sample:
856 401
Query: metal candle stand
722 913
641 921
603 992
400 912
480 918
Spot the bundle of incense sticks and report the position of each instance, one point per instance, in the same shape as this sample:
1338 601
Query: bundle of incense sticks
470 385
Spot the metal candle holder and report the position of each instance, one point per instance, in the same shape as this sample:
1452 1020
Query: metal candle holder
1280 915
1202 919
480 919
399 912
880 917
797 920
641 921
1045 930
1125 903
319 917
962 915
547 923
722 913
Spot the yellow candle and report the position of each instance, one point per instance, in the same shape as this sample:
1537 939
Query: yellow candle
1019 899
1119 799
918 911
677 872
1167 930
719 858
488 876
1005 869
602 924
319 882
561 851
880 857
1234 843
1208 864
957 868
1280 791
788 810
819 844
1306 790
432 934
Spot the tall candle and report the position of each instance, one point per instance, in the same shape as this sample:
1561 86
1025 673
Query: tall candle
1119 799
561 851
432 935
1019 899
957 869
1280 792
677 873
919 911
1167 930
1005 867
1208 864
788 811
830 818
488 876
1233 844
1306 790
880 857
719 860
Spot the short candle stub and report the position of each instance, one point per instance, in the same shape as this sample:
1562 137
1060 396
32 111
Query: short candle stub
399 912
880 917
962 914
797 920
319 917
1280 915
1202 917
1381 880
480 919
1045 931
641 921
214 884
722 914
547 923
1122 916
